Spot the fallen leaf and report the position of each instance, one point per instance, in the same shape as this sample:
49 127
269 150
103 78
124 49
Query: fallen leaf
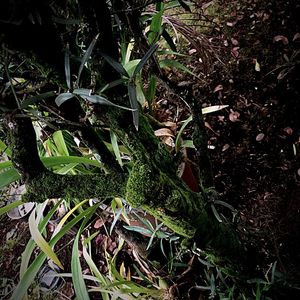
163 132
231 24
99 223
225 147
260 137
288 130
281 38
192 51
234 116
298 172
218 88
235 52
234 42
257 66
296 36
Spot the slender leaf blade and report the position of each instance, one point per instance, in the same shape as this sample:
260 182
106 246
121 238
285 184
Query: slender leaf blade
40 241
145 58
86 56
116 65
67 67
134 104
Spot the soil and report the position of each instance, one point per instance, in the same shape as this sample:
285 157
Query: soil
254 142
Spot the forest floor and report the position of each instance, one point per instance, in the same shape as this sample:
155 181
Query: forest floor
254 143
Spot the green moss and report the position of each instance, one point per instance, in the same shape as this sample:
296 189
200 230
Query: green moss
50 185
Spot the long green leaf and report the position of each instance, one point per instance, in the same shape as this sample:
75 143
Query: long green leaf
33 269
134 103
179 134
10 206
115 146
175 64
155 27
169 40
36 99
5 149
7 177
77 276
116 65
148 54
40 241
86 56
97 99
67 67
60 143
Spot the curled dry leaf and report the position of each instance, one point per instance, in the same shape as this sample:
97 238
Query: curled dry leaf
163 132
281 38
99 223
235 52
218 88
288 130
234 116
260 137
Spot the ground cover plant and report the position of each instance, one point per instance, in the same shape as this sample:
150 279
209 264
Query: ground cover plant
157 143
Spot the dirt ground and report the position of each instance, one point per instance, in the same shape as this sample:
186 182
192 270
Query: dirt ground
254 142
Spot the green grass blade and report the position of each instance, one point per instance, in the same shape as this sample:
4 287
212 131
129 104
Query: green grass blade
10 206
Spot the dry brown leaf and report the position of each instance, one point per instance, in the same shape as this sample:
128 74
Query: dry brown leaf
234 116
234 42
218 88
235 52
288 130
99 223
281 38
163 132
